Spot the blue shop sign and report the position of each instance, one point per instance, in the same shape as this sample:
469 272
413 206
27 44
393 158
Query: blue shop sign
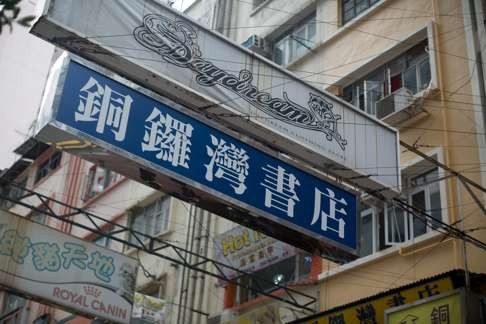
111 112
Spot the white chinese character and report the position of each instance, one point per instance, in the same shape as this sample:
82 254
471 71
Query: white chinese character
231 164
280 189
107 107
325 217
169 137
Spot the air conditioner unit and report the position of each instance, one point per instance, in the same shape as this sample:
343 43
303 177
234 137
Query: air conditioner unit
257 44
400 107
398 100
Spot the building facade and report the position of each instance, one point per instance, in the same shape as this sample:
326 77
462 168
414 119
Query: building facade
418 66
414 64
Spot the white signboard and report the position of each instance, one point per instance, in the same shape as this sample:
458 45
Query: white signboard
165 51
63 270
249 250
149 310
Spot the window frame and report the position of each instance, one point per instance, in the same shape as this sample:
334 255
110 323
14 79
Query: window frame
374 228
409 218
292 41
426 188
35 215
45 168
386 222
149 229
110 178
399 65
108 241
156 289
369 4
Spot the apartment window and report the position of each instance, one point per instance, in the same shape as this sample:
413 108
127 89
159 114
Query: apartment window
410 70
151 220
289 270
14 192
352 8
49 165
12 303
396 225
296 42
385 225
372 229
102 240
155 289
98 180
424 194
368 226
38 216
17 192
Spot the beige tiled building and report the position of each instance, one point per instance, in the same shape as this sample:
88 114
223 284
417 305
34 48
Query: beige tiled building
414 64
418 66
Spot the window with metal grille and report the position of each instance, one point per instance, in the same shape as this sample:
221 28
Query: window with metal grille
151 220
98 180
352 8
296 42
410 70
49 165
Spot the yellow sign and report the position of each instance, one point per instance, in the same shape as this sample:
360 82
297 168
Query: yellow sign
442 310
374 310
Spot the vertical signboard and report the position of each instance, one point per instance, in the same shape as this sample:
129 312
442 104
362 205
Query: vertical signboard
151 139
63 270
167 52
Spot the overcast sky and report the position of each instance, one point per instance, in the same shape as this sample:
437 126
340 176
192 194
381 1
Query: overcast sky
20 95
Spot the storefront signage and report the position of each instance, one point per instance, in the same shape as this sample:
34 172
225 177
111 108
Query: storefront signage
149 310
249 250
63 270
440 309
374 310
195 161
265 314
167 52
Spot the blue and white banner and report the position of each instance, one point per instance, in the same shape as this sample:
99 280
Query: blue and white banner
131 123
167 52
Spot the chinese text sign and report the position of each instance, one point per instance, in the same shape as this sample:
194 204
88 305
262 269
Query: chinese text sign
64 270
128 120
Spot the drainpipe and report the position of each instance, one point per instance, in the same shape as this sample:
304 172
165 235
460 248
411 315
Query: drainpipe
182 291
445 124
464 244
202 282
199 215
188 272
228 18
